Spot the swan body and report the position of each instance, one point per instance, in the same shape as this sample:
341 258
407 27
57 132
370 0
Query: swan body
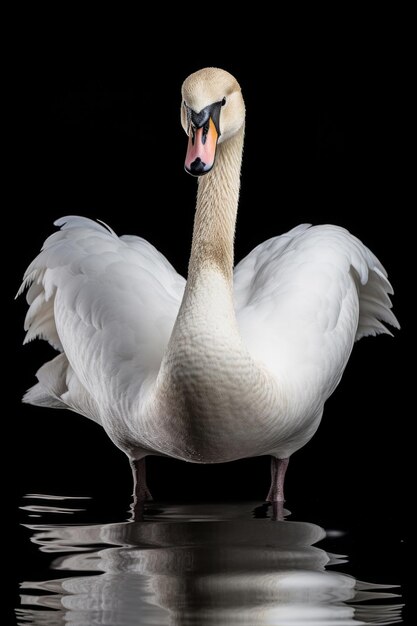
232 363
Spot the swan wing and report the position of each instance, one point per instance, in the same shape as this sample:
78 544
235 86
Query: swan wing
108 304
303 298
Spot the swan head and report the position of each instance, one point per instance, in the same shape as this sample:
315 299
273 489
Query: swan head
212 111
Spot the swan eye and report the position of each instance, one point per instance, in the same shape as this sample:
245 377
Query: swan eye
223 102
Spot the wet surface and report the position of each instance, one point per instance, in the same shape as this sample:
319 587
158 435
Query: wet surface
239 563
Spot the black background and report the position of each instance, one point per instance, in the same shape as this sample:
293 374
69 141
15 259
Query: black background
96 132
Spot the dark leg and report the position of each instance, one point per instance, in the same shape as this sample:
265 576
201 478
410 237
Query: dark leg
278 469
140 488
278 512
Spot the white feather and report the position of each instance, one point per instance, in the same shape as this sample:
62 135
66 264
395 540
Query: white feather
226 366
111 303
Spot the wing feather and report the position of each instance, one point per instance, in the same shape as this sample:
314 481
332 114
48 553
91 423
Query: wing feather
303 298
109 304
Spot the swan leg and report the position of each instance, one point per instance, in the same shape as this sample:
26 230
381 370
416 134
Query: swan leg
140 488
278 469
278 512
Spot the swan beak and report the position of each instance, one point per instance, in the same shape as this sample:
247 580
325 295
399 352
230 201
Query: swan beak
202 140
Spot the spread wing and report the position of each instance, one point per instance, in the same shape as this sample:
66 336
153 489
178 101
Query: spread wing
304 297
108 304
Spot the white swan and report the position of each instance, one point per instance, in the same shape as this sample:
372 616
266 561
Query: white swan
230 364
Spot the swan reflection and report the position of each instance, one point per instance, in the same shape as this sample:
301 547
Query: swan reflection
189 565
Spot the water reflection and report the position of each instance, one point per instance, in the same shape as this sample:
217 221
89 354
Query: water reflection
192 565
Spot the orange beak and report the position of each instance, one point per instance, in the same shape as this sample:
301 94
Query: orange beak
201 150
203 134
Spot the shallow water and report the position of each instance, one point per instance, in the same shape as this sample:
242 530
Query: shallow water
191 564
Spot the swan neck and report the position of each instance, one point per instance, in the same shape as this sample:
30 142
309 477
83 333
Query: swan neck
215 218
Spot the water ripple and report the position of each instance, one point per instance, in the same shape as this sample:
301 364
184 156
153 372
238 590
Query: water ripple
195 565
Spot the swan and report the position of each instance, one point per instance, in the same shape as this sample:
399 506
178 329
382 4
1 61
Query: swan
232 363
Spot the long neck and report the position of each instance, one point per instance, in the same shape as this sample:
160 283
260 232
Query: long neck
215 218
207 376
